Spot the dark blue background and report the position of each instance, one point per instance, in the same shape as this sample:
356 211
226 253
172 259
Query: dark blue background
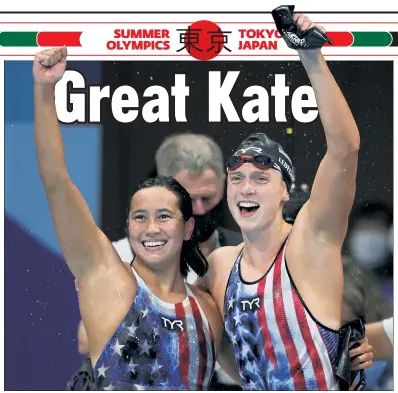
41 307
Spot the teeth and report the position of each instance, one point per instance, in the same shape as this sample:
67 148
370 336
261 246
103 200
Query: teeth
154 244
248 204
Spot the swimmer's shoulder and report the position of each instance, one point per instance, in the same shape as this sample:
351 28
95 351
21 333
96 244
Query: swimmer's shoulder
203 297
224 257
221 262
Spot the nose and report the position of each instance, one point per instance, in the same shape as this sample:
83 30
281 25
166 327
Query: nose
153 227
198 208
247 188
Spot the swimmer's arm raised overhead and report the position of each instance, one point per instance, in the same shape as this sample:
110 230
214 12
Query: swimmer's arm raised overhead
81 241
327 211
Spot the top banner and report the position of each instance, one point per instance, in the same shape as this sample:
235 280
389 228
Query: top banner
190 36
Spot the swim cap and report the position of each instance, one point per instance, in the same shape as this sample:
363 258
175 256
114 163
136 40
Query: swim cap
263 152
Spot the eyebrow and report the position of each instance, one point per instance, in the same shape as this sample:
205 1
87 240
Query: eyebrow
254 173
263 172
163 210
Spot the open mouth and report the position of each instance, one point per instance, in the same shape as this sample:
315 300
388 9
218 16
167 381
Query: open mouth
154 244
247 208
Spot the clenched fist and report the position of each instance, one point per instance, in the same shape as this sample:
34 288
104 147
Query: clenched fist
304 23
49 65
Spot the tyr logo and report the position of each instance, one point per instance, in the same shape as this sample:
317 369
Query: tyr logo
169 324
251 305
246 149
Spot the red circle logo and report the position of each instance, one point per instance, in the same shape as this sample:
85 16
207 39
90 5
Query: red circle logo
203 40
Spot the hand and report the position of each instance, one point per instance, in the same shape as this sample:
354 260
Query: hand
298 31
49 66
304 23
363 355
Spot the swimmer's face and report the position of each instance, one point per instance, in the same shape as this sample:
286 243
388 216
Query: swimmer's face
255 196
206 190
157 228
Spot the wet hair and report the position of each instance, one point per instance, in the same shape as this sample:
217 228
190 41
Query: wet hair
191 255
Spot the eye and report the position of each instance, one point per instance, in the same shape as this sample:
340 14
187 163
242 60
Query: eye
164 217
262 179
139 217
235 178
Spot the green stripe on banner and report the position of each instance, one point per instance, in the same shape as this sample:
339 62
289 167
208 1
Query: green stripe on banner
372 38
18 38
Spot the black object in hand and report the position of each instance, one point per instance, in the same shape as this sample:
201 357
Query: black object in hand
312 38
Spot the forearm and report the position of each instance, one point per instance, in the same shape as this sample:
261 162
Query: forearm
48 138
227 362
341 131
383 350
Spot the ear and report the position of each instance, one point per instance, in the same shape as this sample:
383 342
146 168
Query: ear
286 197
189 227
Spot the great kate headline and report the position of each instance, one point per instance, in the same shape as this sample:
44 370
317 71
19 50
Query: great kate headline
78 102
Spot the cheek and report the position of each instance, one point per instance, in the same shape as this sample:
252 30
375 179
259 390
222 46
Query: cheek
231 191
135 231
174 230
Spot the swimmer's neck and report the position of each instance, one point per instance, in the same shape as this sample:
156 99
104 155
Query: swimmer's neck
261 247
161 281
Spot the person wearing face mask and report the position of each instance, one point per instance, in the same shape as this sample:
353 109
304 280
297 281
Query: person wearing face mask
368 241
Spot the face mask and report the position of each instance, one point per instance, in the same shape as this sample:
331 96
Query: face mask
369 248
207 223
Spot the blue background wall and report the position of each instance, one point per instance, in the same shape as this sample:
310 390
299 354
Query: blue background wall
41 307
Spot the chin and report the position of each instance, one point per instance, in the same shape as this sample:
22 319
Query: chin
150 257
247 223
250 226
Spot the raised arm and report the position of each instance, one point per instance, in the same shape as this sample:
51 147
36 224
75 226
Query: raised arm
327 211
82 242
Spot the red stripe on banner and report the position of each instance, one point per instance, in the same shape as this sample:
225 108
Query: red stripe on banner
340 38
264 330
183 345
319 372
59 38
202 344
280 316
